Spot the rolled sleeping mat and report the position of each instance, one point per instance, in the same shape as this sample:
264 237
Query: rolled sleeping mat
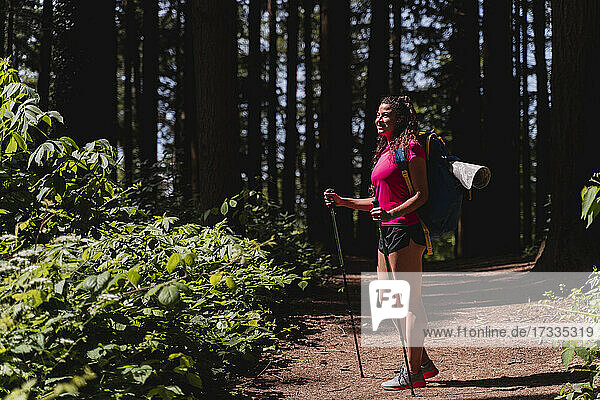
471 176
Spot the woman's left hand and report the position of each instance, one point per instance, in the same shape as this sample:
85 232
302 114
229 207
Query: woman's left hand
380 215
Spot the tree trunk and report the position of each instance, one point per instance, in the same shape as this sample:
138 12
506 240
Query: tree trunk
574 140
273 189
309 143
291 129
2 28
215 69
253 168
149 106
335 121
525 145
190 136
128 56
466 115
543 167
85 66
45 55
501 123
10 34
180 166
397 6
377 87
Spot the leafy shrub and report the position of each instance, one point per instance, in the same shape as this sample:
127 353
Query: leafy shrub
98 299
590 200
143 306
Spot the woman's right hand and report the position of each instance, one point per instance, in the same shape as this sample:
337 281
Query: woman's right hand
332 199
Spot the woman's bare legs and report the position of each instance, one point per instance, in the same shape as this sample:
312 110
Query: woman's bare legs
409 259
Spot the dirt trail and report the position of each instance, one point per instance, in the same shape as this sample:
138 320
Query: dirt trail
320 362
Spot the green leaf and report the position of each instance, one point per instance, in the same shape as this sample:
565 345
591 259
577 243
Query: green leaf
173 262
22 349
588 195
194 380
141 374
134 276
224 208
216 278
169 296
59 287
12 146
189 259
230 282
303 284
102 280
567 355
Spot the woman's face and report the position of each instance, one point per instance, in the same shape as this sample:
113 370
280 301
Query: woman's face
385 120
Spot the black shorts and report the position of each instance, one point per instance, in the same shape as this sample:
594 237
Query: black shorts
398 237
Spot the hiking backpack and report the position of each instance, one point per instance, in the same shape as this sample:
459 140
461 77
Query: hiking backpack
440 214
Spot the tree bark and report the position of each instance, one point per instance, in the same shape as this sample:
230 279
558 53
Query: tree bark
10 33
501 124
542 143
2 28
377 87
574 140
45 55
466 114
525 142
396 86
335 120
180 166
291 129
215 69
149 106
85 66
190 136
309 143
253 168
271 146
128 56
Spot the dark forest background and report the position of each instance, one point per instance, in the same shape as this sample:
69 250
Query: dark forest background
203 98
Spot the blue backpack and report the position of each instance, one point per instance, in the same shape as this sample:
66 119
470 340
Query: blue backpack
440 214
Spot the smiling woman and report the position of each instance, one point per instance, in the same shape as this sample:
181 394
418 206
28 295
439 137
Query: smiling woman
397 202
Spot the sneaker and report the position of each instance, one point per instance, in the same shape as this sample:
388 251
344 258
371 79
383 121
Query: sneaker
429 370
401 381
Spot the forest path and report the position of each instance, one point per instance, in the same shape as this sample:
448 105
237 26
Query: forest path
319 362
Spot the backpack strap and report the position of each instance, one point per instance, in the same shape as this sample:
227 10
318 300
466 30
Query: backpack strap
403 165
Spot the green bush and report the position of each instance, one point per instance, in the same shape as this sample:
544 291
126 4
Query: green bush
99 300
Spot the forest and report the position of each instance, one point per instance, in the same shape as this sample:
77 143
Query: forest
159 155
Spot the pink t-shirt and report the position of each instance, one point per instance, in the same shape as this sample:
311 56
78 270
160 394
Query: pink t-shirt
390 185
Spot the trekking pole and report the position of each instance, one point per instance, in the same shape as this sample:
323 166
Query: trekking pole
341 258
389 269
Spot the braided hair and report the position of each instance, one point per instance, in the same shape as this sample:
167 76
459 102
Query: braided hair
404 131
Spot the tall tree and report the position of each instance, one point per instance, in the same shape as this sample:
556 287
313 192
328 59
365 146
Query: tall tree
397 6
501 127
128 57
466 113
574 140
2 27
180 160
522 44
335 120
85 66
291 128
10 34
149 106
253 169
271 145
213 29
543 167
309 143
377 87
190 136
45 54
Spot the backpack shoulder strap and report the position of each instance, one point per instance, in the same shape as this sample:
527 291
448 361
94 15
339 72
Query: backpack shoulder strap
403 165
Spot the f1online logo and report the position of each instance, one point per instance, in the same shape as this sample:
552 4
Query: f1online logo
388 299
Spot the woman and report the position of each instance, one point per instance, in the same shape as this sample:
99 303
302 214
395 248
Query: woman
396 123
